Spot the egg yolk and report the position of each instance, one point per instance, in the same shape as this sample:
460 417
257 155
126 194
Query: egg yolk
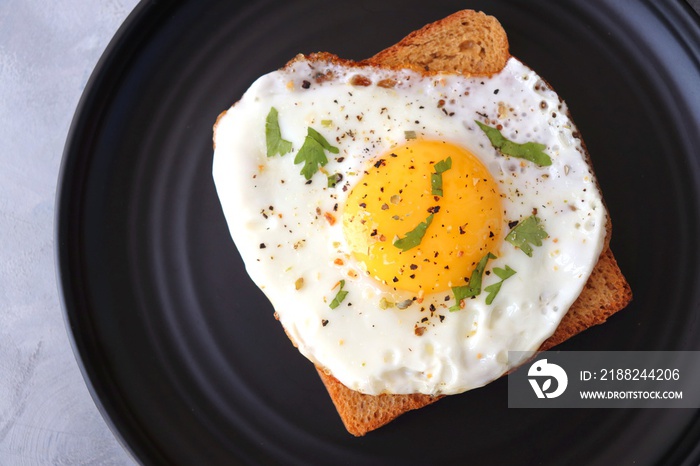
397 194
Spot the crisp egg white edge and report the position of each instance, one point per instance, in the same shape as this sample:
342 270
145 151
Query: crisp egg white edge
512 325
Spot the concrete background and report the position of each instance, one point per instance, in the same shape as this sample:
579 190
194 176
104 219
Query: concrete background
48 48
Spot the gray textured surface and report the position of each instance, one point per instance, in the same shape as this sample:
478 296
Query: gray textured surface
48 49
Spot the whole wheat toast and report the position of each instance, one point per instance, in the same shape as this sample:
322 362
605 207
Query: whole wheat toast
473 44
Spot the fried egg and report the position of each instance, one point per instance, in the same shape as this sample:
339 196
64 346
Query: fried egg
409 230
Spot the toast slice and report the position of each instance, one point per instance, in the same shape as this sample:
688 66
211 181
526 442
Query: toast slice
471 43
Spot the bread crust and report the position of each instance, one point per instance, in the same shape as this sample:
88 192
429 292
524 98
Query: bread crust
466 42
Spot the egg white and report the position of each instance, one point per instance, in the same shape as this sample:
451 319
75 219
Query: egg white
283 225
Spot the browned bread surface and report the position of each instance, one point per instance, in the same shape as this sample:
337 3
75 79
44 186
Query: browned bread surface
467 42
470 43
363 413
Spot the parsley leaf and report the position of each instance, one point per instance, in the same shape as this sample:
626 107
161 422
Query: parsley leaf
531 151
312 153
334 179
415 236
473 288
526 233
273 136
339 297
493 290
436 178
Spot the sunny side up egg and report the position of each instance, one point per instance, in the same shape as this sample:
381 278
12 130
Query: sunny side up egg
409 230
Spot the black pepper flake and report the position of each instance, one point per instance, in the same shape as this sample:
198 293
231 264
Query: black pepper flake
496 91
442 317
491 235
363 205
305 84
512 224
434 209
424 320
413 266
461 230
394 279
413 275
335 179
385 206
393 155
308 182
324 322
340 159
374 232
379 163
262 246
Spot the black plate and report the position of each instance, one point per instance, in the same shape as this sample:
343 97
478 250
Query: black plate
181 351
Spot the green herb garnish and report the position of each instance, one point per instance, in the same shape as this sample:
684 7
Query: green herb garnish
493 290
339 297
436 178
531 151
273 136
526 233
312 153
385 303
334 179
473 288
415 236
